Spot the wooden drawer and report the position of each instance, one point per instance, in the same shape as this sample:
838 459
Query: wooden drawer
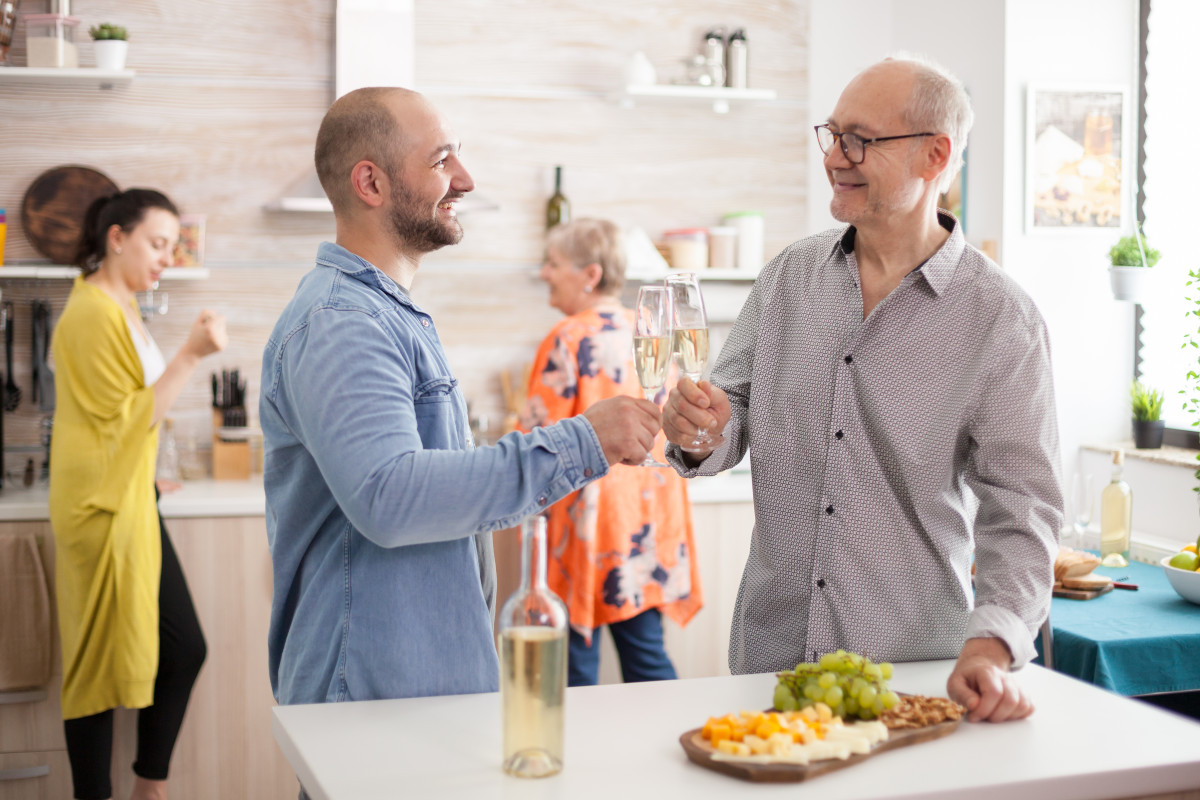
32 724
44 775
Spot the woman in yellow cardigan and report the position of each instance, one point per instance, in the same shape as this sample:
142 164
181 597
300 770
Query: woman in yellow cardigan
130 636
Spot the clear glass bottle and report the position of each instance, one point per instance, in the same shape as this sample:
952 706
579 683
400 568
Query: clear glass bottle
1116 517
532 628
558 208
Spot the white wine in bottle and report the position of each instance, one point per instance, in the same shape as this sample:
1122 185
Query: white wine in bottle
558 209
1116 517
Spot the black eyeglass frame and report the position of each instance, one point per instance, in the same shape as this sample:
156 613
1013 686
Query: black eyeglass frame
839 138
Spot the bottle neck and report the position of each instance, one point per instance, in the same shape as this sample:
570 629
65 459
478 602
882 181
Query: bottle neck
533 553
558 180
1118 472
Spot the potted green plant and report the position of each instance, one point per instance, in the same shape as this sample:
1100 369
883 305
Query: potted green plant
110 43
1130 259
1147 416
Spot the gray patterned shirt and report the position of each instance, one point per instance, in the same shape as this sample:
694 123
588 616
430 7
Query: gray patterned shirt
886 452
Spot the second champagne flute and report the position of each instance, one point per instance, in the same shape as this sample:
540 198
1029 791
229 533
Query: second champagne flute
691 338
652 345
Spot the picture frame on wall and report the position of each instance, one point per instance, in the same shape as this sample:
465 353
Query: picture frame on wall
189 252
1074 158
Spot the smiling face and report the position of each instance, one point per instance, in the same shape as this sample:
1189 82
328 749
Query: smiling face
429 179
887 182
138 257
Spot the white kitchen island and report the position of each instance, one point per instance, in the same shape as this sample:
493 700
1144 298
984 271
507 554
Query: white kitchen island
1082 743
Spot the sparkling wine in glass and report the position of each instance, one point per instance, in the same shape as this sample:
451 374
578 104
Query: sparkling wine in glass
652 345
1082 500
691 339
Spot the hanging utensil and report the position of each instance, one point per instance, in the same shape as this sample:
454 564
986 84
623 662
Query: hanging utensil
12 392
45 375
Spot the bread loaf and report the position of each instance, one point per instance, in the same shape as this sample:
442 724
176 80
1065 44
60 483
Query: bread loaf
1073 563
1086 582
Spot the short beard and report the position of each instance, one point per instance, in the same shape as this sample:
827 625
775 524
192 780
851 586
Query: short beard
413 229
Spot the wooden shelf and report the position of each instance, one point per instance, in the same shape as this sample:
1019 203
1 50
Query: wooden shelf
104 79
55 272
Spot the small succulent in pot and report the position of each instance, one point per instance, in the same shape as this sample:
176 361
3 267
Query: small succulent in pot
1127 253
1148 425
106 31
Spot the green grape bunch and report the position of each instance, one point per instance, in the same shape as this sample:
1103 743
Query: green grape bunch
850 684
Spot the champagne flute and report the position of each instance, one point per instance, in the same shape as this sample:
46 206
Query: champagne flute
691 338
1081 505
652 345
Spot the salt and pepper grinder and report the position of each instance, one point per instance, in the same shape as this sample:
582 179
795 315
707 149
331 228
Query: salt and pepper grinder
714 55
737 60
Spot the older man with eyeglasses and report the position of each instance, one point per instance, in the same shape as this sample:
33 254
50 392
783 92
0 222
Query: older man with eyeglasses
893 389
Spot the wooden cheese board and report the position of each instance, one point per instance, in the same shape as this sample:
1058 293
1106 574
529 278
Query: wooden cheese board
1080 594
700 751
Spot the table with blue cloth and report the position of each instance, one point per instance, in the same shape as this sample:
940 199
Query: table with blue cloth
1142 642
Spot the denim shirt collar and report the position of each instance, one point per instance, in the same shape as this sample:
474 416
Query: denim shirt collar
334 256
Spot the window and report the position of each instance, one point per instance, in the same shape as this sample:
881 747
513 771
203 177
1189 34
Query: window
1169 204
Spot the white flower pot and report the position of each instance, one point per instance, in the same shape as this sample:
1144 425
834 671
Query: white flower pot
1130 284
110 53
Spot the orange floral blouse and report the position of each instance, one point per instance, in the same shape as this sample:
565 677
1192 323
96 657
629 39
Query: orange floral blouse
622 544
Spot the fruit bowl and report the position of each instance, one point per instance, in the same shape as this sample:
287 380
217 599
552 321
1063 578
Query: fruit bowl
1184 582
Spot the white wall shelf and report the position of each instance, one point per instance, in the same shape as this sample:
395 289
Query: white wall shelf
102 78
721 97
732 275
56 272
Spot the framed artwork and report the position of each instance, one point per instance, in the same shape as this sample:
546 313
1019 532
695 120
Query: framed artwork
1074 167
190 250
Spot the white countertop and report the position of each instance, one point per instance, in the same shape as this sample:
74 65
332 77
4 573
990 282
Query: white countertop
622 742
206 498
209 498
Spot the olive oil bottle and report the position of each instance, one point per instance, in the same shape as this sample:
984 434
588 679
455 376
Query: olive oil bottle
558 209
1116 517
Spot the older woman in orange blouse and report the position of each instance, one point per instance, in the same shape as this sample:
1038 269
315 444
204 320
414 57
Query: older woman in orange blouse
621 550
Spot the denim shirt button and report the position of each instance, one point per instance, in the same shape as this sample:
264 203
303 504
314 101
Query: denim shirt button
587 472
542 501
425 322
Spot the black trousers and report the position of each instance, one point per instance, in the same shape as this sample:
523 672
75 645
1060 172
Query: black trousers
181 652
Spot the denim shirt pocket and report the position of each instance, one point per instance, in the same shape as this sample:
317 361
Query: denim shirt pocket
436 406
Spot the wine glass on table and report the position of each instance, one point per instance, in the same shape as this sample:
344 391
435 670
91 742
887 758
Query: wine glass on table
652 345
691 339
1081 505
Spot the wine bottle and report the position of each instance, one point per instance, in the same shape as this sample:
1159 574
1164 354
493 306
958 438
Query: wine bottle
532 628
558 210
1116 517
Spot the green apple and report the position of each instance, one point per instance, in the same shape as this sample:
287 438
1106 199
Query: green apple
1185 560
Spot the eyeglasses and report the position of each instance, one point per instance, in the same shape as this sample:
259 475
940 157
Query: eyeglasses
854 147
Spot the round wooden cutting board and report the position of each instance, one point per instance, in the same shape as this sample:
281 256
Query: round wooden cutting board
54 206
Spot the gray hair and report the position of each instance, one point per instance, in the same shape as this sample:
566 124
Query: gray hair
939 103
592 241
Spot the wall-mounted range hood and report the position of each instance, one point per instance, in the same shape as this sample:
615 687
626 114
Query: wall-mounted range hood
373 46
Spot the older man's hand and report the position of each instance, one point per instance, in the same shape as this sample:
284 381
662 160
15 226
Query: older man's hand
692 407
625 426
982 682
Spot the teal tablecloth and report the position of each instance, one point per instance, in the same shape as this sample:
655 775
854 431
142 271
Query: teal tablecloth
1140 642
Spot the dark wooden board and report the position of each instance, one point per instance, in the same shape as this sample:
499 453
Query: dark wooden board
699 751
1080 594
54 206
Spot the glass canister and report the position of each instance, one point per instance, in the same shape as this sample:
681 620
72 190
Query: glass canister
50 40
532 628
689 248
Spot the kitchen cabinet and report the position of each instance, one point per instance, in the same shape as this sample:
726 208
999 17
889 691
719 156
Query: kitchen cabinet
225 748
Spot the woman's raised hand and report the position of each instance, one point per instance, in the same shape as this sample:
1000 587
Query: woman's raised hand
208 334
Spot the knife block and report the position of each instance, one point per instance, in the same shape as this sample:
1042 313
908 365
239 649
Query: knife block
230 460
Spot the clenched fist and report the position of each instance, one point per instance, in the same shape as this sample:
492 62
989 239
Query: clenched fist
207 335
626 427
694 407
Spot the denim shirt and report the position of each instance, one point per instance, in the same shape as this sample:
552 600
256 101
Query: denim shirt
379 506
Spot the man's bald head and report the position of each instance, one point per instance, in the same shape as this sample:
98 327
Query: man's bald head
363 125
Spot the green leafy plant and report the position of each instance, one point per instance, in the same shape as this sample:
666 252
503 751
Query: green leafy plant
1127 253
106 30
1147 403
1191 393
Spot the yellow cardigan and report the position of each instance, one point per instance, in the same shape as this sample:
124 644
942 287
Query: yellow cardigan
102 509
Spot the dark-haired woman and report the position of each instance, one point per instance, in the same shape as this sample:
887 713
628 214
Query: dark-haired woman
130 636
